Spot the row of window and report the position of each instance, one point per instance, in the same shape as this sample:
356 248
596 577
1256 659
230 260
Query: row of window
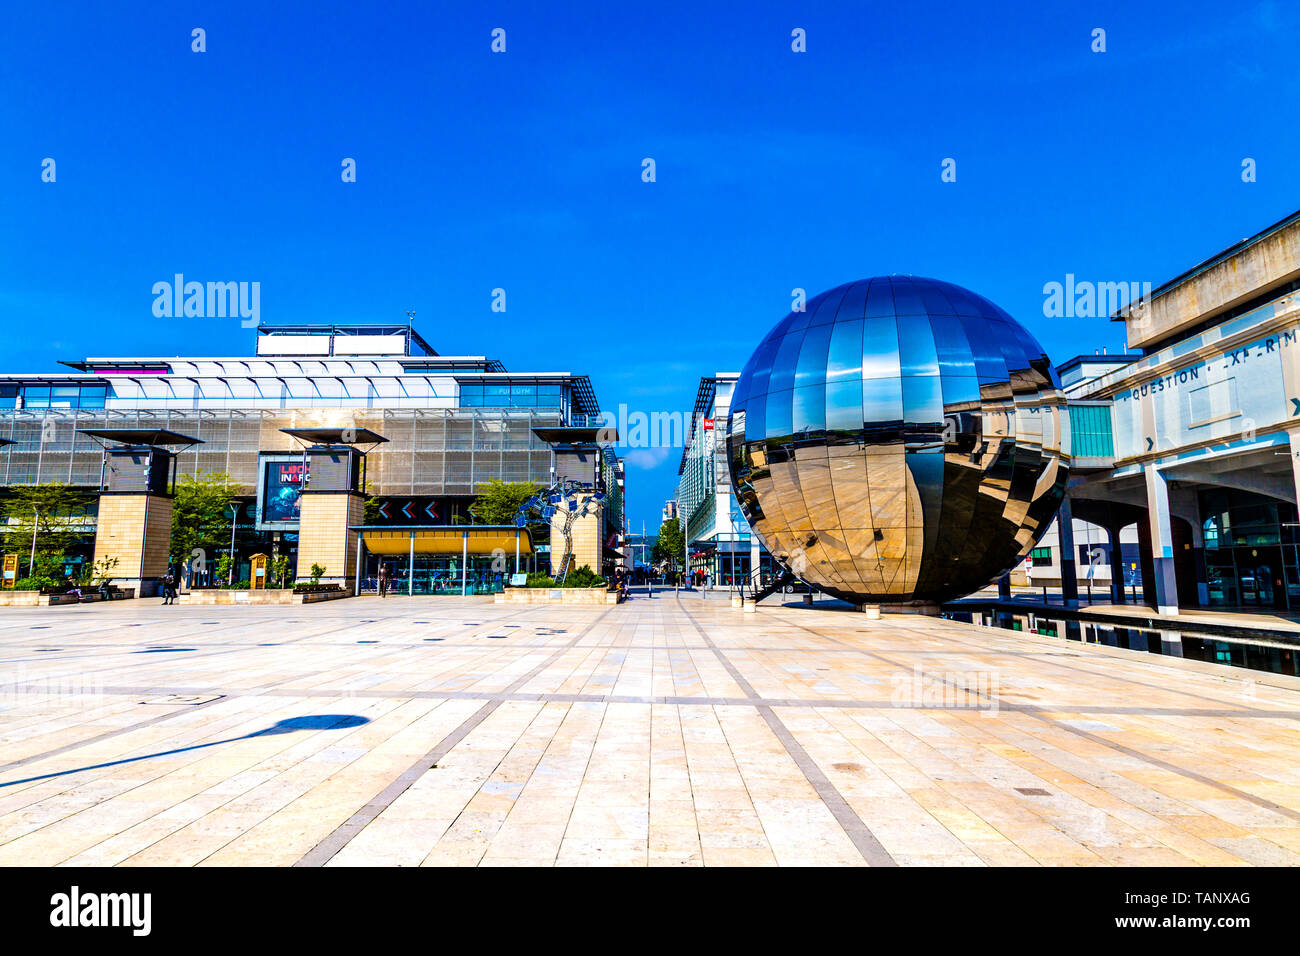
53 396
510 396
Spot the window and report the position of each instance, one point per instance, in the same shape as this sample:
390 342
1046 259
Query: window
36 397
93 396
510 395
1042 557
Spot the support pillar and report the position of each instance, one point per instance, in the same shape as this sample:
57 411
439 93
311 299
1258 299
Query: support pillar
135 529
410 569
1069 557
133 532
356 588
1162 541
1004 587
324 537
1116 566
464 563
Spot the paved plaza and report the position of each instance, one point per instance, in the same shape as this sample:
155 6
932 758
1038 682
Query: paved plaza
665 731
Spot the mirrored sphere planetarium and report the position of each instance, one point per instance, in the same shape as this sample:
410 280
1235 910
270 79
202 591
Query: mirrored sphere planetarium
900 441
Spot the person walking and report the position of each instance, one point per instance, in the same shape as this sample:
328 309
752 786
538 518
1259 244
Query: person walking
169 587
383 580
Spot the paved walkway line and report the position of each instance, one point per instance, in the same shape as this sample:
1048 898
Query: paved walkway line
547 698
342 835
1038 714
181 709
853 825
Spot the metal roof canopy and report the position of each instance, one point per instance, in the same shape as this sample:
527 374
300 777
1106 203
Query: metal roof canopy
151 437
575 435
703 399
449 539
335 436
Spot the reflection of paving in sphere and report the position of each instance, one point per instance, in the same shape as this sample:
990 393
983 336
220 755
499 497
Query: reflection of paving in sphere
898 441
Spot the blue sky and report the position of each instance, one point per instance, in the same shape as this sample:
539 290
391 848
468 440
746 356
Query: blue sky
522 170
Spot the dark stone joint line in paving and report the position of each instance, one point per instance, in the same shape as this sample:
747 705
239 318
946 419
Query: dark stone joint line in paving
853 825
996 706
328 848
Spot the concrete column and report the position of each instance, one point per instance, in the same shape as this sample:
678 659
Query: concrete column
323 535
1162 541
1116 566
1294 437
1069 557
410 569
464 563
356 588
1198 555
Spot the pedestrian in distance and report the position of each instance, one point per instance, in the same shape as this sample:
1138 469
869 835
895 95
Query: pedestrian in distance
168 583
383 580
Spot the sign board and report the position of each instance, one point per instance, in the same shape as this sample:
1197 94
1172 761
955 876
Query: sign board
257 571
519 579
708 424
10 570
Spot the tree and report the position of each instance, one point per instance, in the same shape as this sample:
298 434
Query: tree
201 512
498 501
279 569
47 514
671 544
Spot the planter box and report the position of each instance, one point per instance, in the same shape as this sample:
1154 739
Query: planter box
557 596
34 599
208 597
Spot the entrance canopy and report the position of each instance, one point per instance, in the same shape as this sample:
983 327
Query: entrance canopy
450 539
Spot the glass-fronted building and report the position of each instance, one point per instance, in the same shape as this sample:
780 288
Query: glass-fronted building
452 423
722 550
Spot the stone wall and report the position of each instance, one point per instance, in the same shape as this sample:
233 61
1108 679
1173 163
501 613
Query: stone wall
323 537
121 533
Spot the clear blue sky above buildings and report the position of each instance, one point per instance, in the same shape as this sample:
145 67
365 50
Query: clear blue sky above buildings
522 171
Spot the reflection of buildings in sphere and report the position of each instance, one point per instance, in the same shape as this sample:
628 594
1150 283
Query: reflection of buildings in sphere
900 440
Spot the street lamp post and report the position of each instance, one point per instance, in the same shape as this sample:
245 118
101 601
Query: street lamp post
686 544
31 561
234 523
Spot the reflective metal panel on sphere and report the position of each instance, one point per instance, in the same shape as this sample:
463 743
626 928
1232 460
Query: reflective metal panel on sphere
901 440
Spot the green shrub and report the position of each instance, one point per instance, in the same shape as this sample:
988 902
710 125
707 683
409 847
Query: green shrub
317 571
38 582
582 577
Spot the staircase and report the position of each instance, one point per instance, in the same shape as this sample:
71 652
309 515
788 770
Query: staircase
756 594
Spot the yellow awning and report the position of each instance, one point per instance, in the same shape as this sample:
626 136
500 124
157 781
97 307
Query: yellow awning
444 540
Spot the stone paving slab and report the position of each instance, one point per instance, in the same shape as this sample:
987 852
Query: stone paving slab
665 731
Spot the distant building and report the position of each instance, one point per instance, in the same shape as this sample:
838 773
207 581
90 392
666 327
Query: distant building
448 424
719 539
